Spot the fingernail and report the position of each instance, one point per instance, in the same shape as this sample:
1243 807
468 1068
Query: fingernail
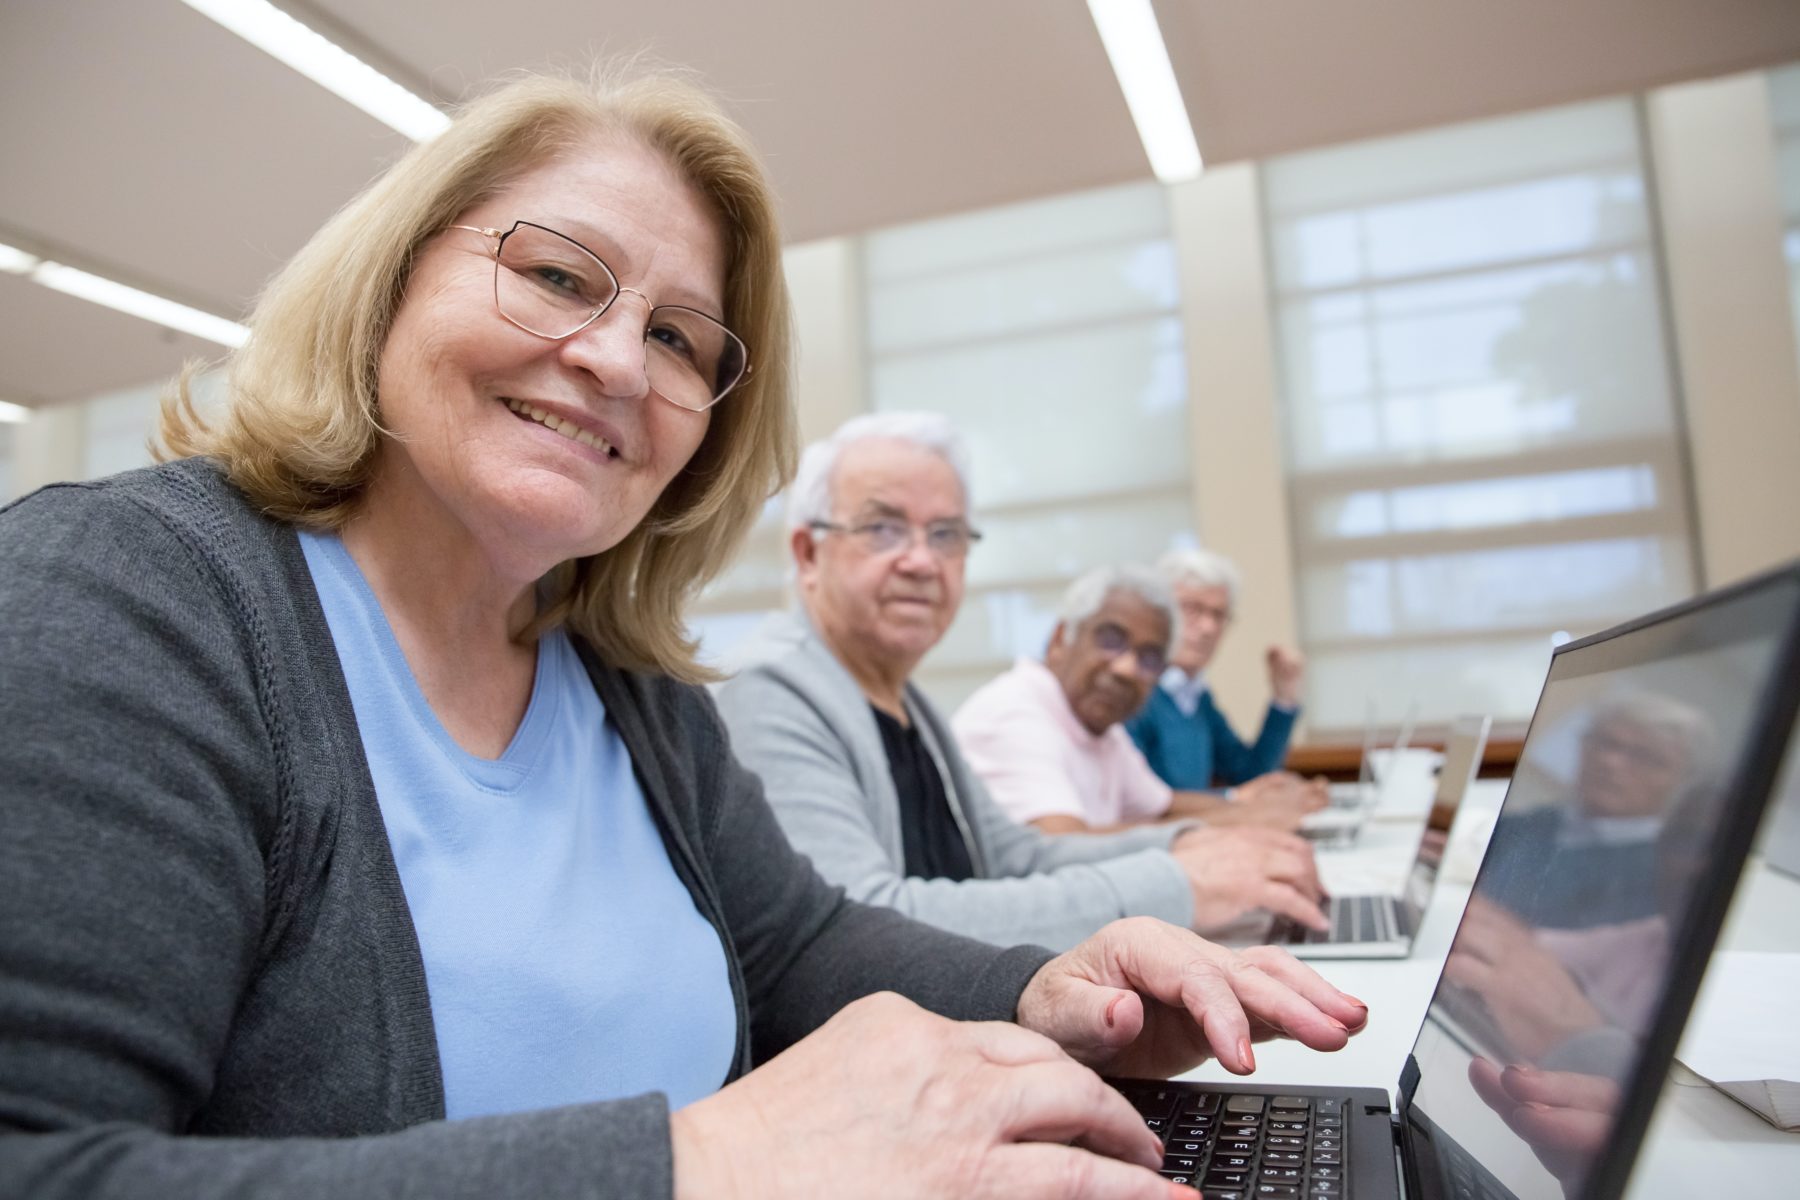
1110 1006
1354 1000
1341 1027
1244 1055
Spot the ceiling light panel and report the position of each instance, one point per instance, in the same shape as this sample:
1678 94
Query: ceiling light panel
1140 60
327 64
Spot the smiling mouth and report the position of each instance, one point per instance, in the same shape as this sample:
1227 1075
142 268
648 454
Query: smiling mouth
568 429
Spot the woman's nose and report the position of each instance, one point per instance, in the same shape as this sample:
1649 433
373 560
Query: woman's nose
611 348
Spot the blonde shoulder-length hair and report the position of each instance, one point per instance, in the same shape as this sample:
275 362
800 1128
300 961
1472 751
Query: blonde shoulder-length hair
301 426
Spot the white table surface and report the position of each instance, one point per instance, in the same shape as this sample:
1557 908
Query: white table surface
1701 1143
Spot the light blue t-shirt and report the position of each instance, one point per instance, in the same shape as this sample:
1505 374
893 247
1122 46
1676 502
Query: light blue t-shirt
565 958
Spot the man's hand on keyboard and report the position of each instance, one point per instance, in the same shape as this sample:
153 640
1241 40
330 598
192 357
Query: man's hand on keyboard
1236 871
886 1099
1144 998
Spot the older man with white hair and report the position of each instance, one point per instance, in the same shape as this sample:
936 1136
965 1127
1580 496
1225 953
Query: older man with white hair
1183 735
863 772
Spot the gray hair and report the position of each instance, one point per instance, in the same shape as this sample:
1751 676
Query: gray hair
809 499
1201 568
1088 593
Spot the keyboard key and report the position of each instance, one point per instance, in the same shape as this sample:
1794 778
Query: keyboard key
1181 1177
1324 1188
1325 1171
1236 1147
1227 1179
1289 1102
1287 1126
1188 1146
1328 1143
1281 1175
1327 1158
1185 1163
1205 1102
1332 1106
1222 1194
1158 1125
1276 1191
1282 1158
1244 1104
1276 1141
1233 1162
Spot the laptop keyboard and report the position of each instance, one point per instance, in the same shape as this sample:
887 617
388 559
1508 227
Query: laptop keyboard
1244 1147
1353 919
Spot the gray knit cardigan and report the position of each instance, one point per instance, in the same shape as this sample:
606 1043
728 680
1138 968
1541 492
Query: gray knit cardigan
209 980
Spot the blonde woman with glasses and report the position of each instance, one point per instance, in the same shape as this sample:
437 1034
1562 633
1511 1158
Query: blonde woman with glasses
366 832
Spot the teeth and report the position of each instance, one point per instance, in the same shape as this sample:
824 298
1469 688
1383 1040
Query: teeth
568 429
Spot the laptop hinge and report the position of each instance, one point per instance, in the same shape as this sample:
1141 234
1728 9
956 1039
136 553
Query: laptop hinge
1409 1083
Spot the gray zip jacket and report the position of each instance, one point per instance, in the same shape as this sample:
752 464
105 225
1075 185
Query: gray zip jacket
209 981
799 720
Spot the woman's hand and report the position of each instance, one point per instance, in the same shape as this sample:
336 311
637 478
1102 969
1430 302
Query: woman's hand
886 1099
1142 997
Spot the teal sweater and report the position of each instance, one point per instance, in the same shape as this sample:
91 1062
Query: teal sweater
1201 752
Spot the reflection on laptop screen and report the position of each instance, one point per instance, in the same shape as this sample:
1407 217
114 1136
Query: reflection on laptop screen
1563 954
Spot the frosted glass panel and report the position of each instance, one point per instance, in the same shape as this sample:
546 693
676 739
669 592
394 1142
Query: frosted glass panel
1486 503
1066 541
1490 675
1481 426
1579 585
1453 159
1497 362
1060 414
1533 219
1133 279
1016 232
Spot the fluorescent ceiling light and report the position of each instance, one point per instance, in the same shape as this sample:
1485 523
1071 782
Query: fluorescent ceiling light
15 261
88 286
1134 43
326 64
14 414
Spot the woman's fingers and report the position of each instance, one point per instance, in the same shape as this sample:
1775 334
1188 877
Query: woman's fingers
1274 1003
1066 1102
1064 1173
1279 965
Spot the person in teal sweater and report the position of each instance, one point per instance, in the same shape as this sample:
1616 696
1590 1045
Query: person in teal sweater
1183 735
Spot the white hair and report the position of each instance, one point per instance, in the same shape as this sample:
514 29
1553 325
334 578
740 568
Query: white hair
809 499
1088 593
1201 568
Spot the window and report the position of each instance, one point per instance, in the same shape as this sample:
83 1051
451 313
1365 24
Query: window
1483 449
1049 332
1784 98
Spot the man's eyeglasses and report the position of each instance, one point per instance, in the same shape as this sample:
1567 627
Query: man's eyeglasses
884 535
554 287
1113 641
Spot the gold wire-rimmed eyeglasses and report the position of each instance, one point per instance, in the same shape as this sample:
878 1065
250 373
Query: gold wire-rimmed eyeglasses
552 286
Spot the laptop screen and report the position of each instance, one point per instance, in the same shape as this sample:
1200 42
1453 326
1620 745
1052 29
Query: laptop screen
1553 985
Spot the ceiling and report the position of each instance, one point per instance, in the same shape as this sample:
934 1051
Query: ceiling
143 142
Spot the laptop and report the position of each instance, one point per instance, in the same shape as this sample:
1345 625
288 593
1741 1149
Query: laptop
1550 1033
1352 804
1377 926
